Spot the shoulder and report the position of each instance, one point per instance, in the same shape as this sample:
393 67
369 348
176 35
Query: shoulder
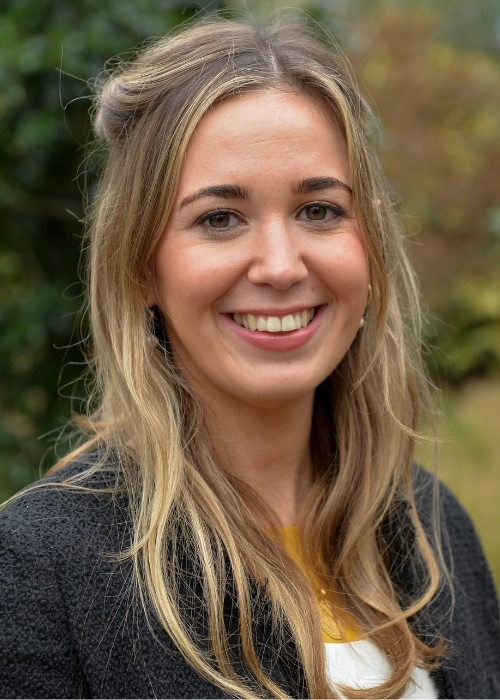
52 495
431 493
444 517
46 536
49 521
71 622
465 611
459 539
55 533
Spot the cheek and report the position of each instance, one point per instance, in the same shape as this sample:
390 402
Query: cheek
189 279
344 269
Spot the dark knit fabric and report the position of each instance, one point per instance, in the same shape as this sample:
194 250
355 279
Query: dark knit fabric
71 626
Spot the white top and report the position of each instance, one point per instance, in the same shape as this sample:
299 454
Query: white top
362 665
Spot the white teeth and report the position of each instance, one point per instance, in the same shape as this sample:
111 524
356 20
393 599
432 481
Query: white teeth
252 323
288 323
275 324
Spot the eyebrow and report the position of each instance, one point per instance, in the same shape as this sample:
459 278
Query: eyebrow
223 191
310 184
313 184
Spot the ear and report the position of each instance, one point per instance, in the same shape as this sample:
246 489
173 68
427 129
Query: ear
149 286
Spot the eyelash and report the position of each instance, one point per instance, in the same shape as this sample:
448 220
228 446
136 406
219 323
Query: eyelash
214 212
336 210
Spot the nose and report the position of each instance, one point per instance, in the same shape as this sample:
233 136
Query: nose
278 258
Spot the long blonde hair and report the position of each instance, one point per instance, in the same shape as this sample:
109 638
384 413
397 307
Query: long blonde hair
366 413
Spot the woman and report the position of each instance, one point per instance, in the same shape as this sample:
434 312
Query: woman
244 519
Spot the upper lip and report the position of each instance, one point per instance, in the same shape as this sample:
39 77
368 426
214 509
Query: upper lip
273 311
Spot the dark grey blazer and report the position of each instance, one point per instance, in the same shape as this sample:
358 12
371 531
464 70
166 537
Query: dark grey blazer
71 627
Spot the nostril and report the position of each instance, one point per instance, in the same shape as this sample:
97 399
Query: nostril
280 277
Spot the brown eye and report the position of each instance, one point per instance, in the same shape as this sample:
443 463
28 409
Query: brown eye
316 212
321 212
220 220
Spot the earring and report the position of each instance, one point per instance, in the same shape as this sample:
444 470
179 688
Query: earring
362 322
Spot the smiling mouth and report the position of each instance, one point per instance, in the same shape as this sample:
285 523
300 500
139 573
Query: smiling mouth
275 324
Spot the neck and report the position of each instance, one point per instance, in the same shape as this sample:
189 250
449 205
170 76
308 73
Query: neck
267 447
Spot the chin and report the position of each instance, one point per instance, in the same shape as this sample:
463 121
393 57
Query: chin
278 390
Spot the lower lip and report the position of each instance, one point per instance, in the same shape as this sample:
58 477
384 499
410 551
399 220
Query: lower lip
289 340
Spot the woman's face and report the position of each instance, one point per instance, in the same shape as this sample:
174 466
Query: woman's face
261 274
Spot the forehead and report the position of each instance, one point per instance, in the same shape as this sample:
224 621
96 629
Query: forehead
293 135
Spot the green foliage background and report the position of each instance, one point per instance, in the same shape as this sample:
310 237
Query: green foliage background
44 129
431 71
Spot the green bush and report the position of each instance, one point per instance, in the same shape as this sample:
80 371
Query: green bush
49 49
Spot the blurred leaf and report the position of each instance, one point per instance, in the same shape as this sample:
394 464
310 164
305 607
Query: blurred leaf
43 127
